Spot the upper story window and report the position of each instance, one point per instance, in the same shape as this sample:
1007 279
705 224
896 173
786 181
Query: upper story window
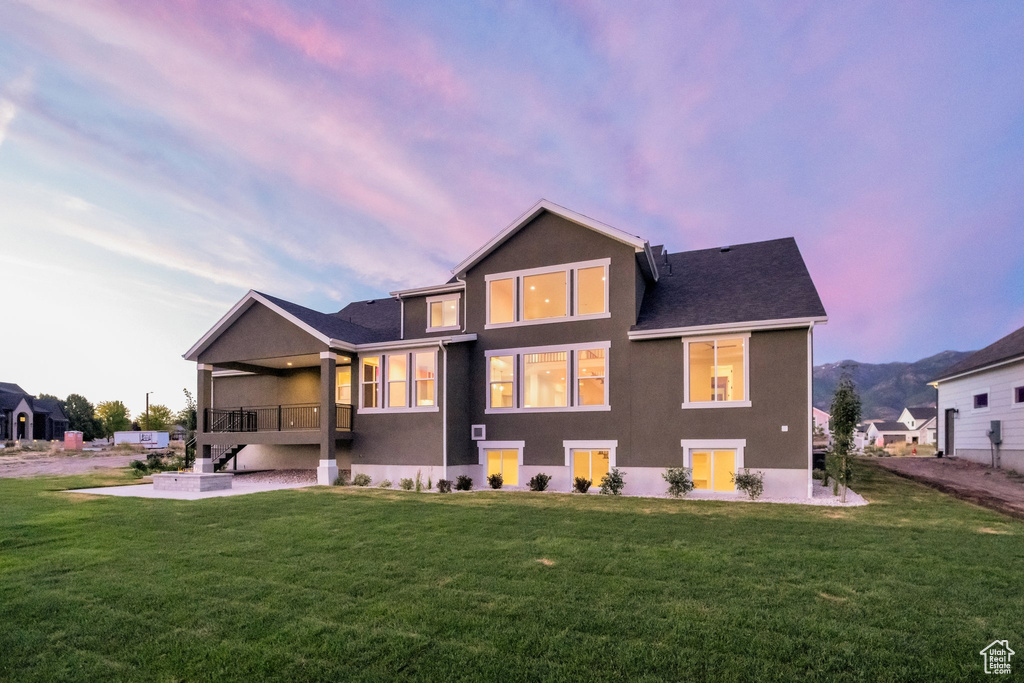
716 372
443 312
547 379
408 382
570 291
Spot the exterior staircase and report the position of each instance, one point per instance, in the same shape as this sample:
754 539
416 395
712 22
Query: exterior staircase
223 454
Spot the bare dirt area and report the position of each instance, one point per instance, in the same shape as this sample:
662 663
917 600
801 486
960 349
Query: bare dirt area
17 463
995 489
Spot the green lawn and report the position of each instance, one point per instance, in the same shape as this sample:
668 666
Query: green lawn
369 584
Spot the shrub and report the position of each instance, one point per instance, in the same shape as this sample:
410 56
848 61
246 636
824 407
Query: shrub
419 481
406 484
139 468
679 481
580 485
386 484
444 486
495 480
612 483
430 483
539 482
362 479
750 483
463 483
818 473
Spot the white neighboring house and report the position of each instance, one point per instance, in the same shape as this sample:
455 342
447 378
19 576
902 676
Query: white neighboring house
884 432
822 419
920 422
982 394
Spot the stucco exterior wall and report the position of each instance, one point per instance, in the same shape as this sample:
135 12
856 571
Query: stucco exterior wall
295 386
259 333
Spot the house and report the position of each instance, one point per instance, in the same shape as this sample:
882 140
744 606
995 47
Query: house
822 420
920 422
884 432
981 405
562 346
24 417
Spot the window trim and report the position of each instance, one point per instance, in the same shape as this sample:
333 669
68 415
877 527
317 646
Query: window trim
362 383
441 298
484 446
1013 397
687 403
571 290
689 445
352 369
383 389
988 400
518 385
590 445
574 370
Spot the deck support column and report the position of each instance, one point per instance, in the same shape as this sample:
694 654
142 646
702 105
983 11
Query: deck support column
327 472
204 401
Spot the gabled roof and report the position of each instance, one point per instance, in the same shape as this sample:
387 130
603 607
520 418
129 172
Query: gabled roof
638 243
923 412
48 406
10 400
1006 349
759 281
890 426
12 387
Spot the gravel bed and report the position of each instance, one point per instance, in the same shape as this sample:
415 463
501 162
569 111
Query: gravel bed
276 477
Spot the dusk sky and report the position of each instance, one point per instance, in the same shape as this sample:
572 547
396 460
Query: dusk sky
159 159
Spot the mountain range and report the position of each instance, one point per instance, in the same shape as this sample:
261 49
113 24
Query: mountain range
885 388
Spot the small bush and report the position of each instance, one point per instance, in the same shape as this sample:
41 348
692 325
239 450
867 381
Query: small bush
818 473
419 481
362 479
342 478
679 481
386 484
495 480
463 483
430 483
406 484
612 483
750 483
580 485
444 486
539 482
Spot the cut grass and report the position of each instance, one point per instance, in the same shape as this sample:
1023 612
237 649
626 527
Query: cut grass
358 583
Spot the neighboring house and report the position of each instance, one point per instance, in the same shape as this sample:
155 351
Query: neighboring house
884 432
822 419
562 346
920 422
25 417
982 395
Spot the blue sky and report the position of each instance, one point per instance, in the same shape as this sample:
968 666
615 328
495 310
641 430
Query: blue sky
157 160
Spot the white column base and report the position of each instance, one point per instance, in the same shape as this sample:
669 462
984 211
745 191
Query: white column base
327 472
204 466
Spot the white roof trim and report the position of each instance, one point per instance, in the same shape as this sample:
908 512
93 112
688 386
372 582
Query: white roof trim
416 343
781 323
638 243
434 289
983 368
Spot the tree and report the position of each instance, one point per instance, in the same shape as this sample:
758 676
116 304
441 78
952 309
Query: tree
160 417
187 415
82 417
845 416
114 416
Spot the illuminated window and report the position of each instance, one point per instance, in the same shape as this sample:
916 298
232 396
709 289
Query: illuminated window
343 384
398 377
502 301
370 382
713 470
504 462
590 377
501 371
443 312
592 465
544 379
717 370
426 369
591 290
544 296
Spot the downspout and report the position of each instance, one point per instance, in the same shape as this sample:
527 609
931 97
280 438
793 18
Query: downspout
810 410
444 411
465 303
401 321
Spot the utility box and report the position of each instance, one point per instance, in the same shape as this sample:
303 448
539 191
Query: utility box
995 432
72 441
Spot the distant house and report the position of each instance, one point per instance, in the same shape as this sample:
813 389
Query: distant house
981 405
822 420
24 417
885 432
920 424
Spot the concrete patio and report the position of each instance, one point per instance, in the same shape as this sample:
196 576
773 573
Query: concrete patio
241 485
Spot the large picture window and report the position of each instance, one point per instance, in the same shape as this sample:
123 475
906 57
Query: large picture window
548 378
551 294
399 381
716 371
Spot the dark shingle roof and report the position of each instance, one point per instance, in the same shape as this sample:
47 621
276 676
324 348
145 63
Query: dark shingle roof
922 412
383 316
10 400
1010 346
13 388
891 426
745 282
334 326
48 406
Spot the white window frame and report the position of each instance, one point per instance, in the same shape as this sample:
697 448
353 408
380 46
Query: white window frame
352 368
518 278
589 445
518 385
977 392
1013 397
380 374
746 403
484 446
576 377
442 298
690 445
410 382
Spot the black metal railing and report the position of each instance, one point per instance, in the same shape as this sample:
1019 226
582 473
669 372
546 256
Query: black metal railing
282 418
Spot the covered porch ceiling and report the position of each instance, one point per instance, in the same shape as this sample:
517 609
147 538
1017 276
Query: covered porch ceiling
278 364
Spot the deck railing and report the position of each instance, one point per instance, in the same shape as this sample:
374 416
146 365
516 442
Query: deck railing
282 418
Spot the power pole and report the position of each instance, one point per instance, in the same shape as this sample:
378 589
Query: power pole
147 408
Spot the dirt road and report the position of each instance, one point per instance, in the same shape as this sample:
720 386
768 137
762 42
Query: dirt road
968 480
29 464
